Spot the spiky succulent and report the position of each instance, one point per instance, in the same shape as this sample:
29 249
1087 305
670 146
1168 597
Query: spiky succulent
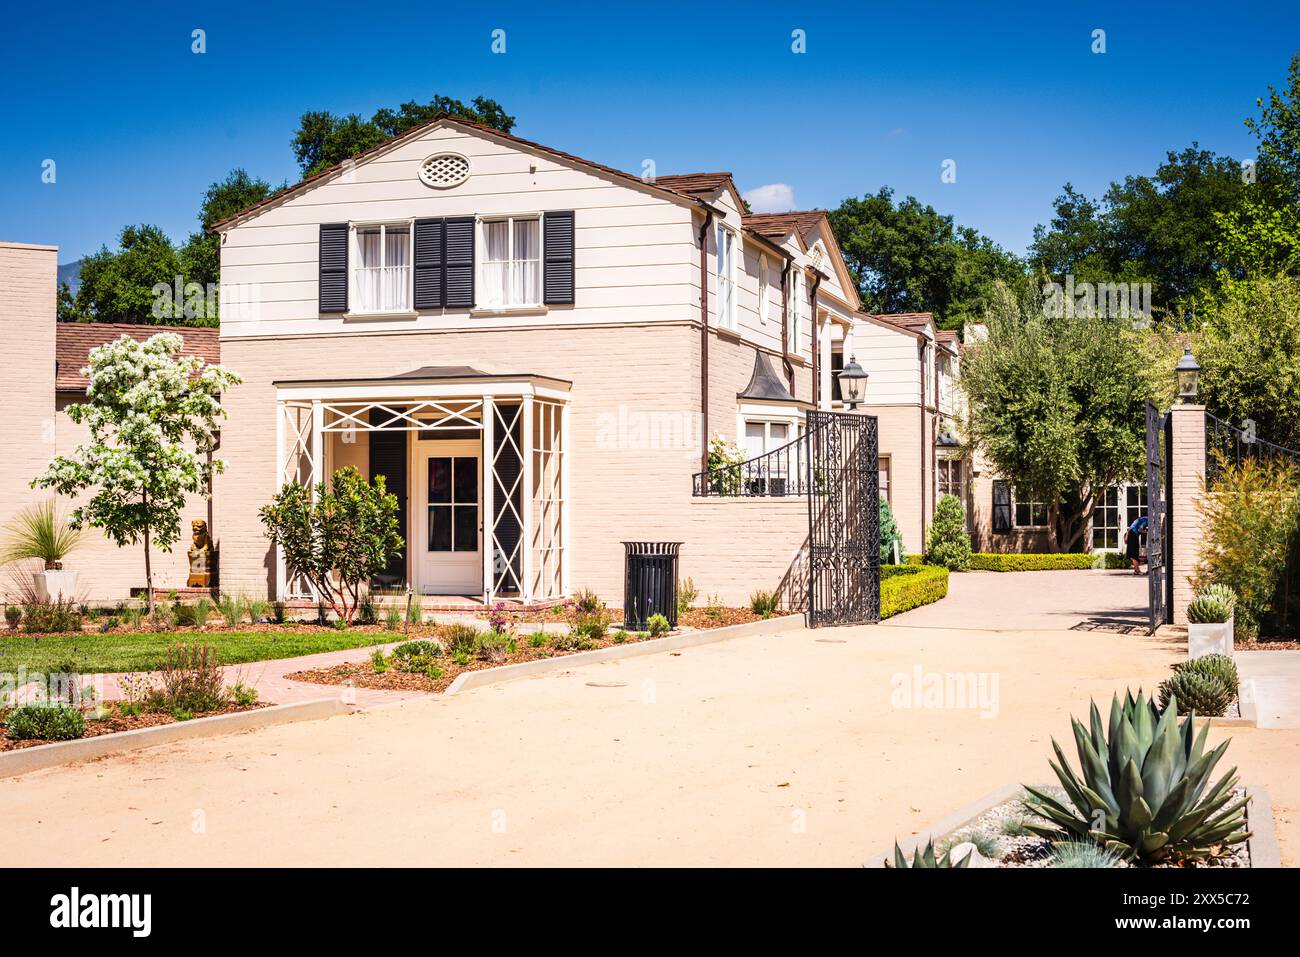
1214 666
1208 609
1196 693
926 859
1143 787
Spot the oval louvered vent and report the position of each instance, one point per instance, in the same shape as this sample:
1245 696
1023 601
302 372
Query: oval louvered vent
444 170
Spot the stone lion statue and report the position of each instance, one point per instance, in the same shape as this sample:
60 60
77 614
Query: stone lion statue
202 556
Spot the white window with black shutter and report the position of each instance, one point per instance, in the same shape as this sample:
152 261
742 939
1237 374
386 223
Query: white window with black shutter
381 268
510 269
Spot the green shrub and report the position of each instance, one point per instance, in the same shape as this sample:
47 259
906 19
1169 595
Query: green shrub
459 639
393 618
1031 562
495 646
618 637
1143 788
241 694
416 656
258 608
191 679
948 543
1216 666
186 616
232 608
379 661
889 534
1082 854
763 603
367 614
1251 542
50 616
656 625
45 722
537 639
588 617
13 614
1197 693
910 586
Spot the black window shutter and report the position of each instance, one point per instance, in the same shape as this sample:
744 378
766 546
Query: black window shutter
428 263
458 262
1001 505
388 458
333 290
557 244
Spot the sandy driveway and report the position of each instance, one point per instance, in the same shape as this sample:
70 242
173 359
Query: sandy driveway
775 750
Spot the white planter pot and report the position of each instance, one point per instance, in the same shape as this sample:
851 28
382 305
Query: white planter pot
1209 639
52 585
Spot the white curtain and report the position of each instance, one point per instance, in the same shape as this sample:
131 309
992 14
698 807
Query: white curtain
366 295
527 256
382 275
512 273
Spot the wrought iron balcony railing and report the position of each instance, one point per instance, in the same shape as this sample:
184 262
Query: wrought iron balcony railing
779 473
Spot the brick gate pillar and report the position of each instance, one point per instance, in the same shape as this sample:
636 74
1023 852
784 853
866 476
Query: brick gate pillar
1186 482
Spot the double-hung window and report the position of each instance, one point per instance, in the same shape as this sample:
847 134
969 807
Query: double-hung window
511 269
793 293
769 474
1030 514
381 271
726 278
951 472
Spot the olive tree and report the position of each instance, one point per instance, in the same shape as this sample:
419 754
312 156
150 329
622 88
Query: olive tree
152 415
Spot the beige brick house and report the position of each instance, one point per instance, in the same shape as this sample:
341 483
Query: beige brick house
534 350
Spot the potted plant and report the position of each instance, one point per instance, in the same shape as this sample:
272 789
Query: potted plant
41 532
1210 622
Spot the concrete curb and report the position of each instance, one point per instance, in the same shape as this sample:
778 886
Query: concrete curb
40 756
1262 844
689 639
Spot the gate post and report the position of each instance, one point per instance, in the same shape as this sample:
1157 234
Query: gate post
1186 481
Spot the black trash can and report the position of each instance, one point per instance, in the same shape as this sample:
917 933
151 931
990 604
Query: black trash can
650 583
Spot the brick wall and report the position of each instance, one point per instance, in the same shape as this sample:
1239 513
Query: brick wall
1186 485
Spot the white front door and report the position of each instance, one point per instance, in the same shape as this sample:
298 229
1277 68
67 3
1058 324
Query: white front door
449 516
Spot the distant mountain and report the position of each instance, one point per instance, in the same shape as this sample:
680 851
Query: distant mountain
71 274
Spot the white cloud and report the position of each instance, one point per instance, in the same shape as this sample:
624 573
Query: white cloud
772 198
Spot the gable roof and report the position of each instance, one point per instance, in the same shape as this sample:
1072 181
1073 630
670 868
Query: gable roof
776 226
701 186
911 321
695 180
74 340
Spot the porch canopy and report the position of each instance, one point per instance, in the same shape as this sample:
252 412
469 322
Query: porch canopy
517 424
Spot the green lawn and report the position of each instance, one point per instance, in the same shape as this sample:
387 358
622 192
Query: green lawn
142 651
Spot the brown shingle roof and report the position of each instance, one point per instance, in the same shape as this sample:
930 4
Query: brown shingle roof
911 321
777 226
698 185
443 117
74 340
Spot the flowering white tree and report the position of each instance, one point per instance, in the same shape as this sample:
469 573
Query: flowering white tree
152 415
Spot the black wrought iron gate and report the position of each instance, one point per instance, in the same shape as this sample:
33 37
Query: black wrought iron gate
1159 524
843 519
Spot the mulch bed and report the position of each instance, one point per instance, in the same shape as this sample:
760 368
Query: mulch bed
116 721
363 674
1265 644
721 617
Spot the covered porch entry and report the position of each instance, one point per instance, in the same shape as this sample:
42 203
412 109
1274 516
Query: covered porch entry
476 460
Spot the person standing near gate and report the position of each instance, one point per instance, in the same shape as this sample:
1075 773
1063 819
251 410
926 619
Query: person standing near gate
1133 538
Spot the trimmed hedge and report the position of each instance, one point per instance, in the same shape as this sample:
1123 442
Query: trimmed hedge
1019 562
903 587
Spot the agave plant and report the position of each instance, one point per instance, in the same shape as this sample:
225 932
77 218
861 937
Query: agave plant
1197 693
1143 787
926 860
1216 666
40 531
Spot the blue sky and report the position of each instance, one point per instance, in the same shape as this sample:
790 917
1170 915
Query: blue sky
138 125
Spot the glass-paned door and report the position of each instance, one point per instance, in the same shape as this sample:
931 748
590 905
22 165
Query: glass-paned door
451 562
1106 520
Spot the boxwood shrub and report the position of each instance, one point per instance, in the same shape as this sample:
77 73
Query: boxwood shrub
1021 562
903 587
45 722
